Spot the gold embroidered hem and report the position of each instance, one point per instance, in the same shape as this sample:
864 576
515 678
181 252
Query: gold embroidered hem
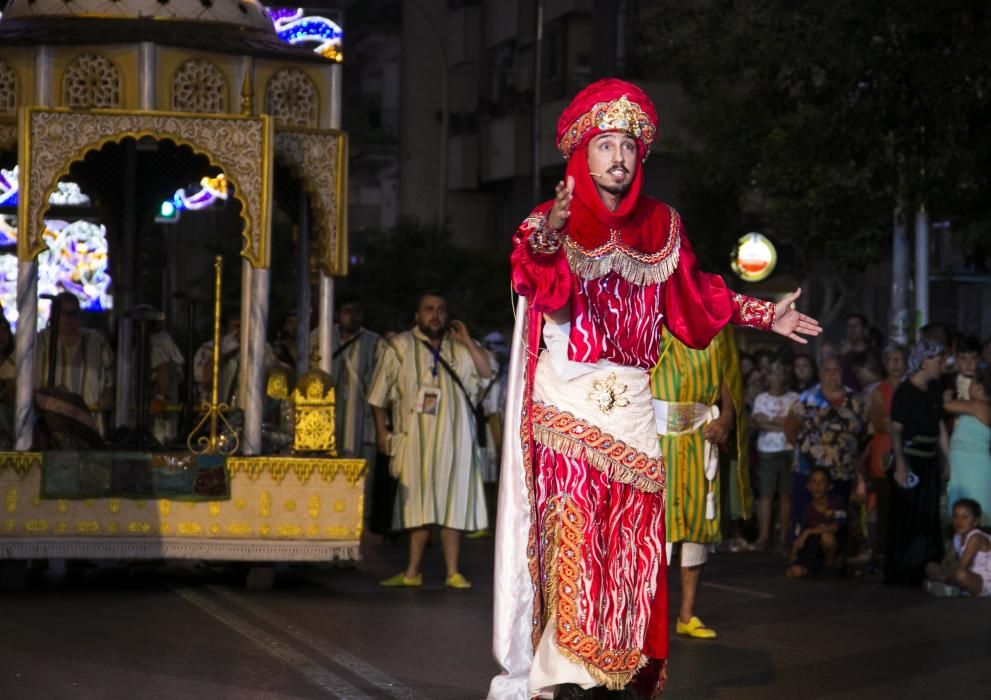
532 555
630 264
613 668
567 435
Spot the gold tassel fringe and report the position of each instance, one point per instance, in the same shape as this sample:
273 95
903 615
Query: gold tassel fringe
576 449
612 681
620 262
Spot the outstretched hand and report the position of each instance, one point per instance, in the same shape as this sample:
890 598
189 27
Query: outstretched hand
563 194
792 324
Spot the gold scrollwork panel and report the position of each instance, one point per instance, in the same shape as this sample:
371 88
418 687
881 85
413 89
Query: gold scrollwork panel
277 498
55 138
319 159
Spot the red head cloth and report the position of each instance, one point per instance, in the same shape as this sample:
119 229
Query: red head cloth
604 106
607 105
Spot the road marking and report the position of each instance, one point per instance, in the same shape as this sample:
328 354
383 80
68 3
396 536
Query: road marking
337 654
323 677
742 591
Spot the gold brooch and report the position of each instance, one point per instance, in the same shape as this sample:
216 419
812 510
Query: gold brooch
608 394
619 115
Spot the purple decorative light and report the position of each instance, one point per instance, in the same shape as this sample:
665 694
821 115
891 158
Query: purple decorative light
8 187
294 27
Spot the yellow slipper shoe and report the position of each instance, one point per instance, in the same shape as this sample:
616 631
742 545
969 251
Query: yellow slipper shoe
694 628
401 580
478 535
457 581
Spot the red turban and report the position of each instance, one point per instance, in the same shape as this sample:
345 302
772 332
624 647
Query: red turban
607 105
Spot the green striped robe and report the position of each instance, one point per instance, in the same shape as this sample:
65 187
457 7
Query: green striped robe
686 375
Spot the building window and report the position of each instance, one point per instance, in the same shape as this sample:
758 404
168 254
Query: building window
291 97
199 86
8 89
91 81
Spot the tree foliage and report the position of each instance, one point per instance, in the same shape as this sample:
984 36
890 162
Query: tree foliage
415 257
812 119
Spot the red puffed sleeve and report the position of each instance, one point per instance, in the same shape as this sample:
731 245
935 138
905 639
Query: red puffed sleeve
543 278
698 304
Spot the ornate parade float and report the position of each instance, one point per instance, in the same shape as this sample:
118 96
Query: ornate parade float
108 105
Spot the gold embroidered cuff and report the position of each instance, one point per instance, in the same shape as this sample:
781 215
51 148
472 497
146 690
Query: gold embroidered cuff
544 240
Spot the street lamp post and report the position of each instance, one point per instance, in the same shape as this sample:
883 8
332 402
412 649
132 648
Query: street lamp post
921 266
537 96
899 277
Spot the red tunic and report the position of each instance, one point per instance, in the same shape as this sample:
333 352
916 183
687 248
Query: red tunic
615 319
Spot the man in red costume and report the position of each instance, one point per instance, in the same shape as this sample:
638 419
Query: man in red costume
581 599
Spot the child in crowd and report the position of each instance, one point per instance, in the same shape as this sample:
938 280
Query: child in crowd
819 540
774 453
973 570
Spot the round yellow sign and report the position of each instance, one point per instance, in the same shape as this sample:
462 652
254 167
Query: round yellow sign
754 257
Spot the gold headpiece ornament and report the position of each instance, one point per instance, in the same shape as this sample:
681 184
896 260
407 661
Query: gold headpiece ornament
616 115
619 115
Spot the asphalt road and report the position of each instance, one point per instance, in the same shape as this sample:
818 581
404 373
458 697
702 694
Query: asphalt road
193 631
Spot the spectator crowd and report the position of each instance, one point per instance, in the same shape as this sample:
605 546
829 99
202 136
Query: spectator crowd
875 458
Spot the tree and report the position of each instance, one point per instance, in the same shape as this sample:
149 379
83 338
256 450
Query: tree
813 121
415 257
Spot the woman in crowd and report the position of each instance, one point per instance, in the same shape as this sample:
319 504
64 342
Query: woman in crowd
970 446
913 538
829 425
894 358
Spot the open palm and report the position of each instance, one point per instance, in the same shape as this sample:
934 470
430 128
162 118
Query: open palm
792 324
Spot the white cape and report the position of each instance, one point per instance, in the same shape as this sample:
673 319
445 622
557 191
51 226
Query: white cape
512 644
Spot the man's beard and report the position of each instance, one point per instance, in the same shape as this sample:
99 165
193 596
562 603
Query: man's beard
615 189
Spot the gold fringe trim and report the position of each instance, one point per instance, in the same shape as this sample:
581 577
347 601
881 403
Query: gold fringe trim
613 681
620 262
616 471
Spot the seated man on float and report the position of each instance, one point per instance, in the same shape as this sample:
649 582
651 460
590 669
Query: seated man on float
230 362
84 361
230 346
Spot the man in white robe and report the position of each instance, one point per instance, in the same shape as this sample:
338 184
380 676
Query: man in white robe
435 372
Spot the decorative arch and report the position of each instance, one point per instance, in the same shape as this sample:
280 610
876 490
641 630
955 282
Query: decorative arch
91 81
199 86
56 138
292 98
8 88
318 158
8 134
